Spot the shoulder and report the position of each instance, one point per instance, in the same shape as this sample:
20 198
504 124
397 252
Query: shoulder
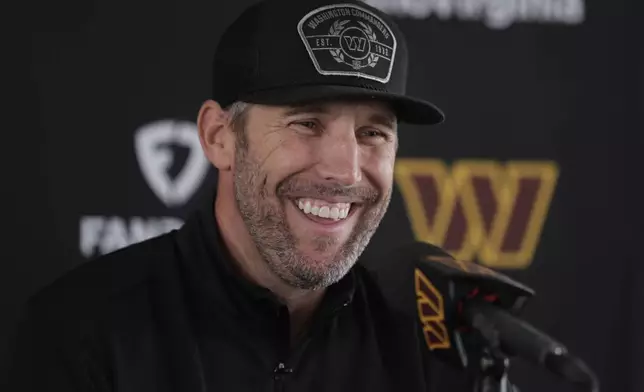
91 288
67 330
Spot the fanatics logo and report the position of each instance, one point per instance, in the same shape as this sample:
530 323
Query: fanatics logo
345 39
156 157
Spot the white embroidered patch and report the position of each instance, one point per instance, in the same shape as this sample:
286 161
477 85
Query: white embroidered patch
346 39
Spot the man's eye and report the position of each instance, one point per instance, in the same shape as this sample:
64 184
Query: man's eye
308 124
373 134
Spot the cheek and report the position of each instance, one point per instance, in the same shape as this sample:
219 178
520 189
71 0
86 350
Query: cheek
379 164
283 157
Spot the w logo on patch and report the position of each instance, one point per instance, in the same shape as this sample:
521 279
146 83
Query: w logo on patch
355 43
348 40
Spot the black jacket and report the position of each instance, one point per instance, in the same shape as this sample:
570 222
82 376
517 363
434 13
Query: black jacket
172 314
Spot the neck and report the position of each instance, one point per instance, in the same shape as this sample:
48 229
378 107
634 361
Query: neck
300 303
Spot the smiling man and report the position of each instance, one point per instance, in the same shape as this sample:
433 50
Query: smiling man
260 289
301 191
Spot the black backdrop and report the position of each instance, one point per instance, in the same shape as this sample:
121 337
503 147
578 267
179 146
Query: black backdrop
521 82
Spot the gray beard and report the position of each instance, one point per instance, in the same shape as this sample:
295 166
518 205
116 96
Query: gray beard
266 223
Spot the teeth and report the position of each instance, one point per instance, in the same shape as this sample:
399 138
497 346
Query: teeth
323 209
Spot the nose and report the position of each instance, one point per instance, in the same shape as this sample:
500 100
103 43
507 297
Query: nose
339 159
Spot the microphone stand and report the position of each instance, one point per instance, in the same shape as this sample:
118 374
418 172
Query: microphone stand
492 373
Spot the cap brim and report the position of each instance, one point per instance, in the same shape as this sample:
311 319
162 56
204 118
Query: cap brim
408 110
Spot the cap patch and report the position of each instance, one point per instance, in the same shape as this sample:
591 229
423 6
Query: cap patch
346 39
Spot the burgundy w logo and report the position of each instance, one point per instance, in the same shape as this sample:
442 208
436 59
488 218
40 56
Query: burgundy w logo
479 209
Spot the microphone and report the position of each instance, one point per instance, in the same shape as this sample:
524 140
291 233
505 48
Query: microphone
517 337
466 310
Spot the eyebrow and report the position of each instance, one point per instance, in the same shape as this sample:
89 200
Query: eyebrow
385 119
299 109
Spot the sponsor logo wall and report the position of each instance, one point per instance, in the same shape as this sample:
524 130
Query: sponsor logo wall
527 175
158 146
494 14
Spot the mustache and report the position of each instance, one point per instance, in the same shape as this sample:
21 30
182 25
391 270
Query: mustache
358 193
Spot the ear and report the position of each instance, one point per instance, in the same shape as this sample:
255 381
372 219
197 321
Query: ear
215 135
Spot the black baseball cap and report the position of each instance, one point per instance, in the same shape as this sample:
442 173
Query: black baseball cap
287 52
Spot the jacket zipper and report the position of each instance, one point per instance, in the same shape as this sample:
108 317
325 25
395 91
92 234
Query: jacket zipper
280 373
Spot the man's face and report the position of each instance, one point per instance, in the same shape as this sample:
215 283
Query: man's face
312 184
